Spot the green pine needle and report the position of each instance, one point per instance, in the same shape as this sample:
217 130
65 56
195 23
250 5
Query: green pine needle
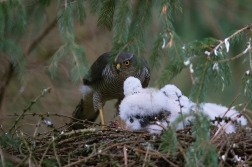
123 18
107 13
79 13
247 84
169 72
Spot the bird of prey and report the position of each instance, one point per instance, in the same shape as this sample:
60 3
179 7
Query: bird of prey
104 82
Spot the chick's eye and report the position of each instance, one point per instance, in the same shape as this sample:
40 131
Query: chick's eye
127 62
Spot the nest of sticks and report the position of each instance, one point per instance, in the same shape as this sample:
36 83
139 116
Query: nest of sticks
114 146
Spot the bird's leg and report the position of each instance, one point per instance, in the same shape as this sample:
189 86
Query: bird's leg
102 118
121 122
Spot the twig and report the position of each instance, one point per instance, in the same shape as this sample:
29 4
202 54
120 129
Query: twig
191 74
117 156
129 42
55 114
180 108
29 107
29 150
231 36
168 161
245 106
55 152
247 116
125 156
82 131
158 123
231 104
98 153
81 160
36 129
43 156
2 157
1 127
233 58
146 155
250 57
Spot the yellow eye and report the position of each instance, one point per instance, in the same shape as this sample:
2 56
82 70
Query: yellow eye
127 62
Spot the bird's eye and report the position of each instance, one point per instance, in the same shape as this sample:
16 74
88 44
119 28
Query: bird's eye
131 120
127 62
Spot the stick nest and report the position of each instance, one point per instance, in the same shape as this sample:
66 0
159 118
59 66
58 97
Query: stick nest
118 147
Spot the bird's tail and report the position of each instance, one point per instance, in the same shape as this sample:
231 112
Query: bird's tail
85 109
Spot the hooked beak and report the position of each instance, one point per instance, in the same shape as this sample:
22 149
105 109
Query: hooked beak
118 67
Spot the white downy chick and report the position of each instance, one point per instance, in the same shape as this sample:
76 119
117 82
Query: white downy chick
215 110
141 106
139 110
210 109
171 94
176 103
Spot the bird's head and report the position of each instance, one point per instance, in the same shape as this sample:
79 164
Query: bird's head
171 91
123 61
132 86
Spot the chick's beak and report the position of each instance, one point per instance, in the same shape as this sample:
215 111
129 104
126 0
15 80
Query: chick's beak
118 67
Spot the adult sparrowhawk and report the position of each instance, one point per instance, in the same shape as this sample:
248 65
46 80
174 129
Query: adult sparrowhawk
104 82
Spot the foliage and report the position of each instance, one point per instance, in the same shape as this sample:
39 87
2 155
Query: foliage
169 146
48 163
107 13
201 152
207 59
129 23
246 84
13 24
8 140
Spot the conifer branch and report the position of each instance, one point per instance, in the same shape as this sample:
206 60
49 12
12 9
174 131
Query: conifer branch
233 58
6 83
121 28
201 83
178 54
77 65
138 26
33 3
107 13
124 47
231 36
